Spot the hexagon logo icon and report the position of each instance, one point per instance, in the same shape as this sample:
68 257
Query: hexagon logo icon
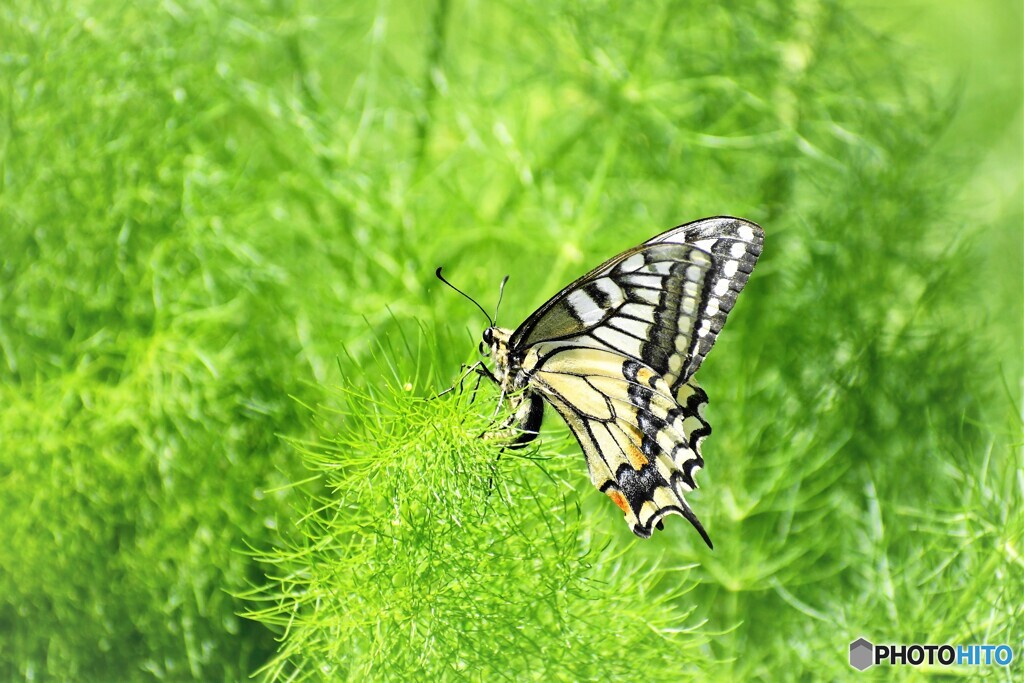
862 654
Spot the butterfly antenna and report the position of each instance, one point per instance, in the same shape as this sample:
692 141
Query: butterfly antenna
441 278
501 292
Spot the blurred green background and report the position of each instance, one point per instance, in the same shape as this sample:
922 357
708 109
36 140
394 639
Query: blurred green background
219 224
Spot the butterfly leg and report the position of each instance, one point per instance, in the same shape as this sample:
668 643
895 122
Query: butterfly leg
481 372
476 387
478 367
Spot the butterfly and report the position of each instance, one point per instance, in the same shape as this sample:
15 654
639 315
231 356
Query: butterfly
615 352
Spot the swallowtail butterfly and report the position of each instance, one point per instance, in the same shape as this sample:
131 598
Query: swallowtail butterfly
615 352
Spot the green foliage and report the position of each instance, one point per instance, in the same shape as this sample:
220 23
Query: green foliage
211 215
427 556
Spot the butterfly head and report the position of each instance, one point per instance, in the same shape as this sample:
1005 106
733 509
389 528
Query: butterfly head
492 337
495 344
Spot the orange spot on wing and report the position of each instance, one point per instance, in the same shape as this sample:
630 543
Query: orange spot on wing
619 500
635 455
644 375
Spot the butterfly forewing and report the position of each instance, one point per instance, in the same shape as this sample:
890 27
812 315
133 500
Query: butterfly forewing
662 303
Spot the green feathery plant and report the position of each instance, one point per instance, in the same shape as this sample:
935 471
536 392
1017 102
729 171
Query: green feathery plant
426 555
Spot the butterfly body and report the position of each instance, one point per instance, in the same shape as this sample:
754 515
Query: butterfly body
614 354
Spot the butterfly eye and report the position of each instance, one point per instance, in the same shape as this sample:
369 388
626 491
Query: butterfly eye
488 336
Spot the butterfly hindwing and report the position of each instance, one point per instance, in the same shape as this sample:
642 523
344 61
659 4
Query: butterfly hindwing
642 445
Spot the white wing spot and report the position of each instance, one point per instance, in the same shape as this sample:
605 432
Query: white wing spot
585 308
712 307
617 340
642 280
689 305
650 296
730 268
721 287
632 263
705 327
638 311
691 290
630 326
738 249
746 233
611 290
693 274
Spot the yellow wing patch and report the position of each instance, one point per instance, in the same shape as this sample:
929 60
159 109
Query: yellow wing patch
586 398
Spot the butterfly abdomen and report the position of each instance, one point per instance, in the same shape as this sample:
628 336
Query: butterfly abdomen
527 420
